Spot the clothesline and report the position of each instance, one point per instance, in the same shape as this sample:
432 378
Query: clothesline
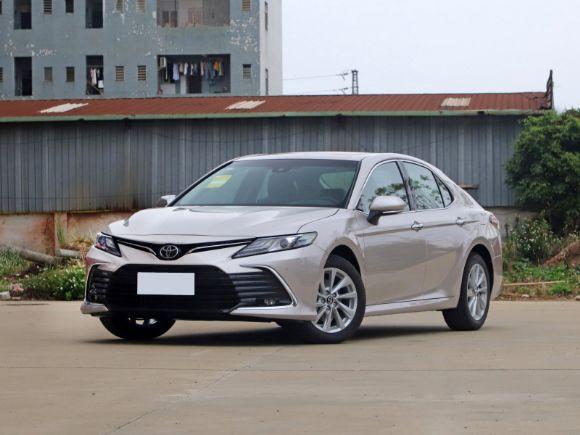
209 70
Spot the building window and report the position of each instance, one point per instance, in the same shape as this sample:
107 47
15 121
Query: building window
1 74
192 13
70 6
142 73
95 75
141 5
47 7
246 5
0 7
119 6
266 15
22 14
70 74
247 72
94 14
119 73
23 76
48 74
267 74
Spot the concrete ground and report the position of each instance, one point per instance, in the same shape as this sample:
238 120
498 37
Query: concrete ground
61 373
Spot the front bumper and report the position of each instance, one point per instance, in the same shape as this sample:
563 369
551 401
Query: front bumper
297 273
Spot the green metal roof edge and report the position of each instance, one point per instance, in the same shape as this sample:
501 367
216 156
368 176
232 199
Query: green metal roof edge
254 115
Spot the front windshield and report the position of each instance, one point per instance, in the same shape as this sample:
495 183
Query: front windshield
282 183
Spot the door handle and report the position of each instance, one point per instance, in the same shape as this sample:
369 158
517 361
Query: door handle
460 221
417 226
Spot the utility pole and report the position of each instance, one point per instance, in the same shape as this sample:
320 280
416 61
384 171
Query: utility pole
354 88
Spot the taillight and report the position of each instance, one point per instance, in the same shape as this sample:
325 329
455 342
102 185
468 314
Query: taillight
494 221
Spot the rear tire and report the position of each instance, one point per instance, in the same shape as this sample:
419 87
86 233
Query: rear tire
473 306
343 306
130 328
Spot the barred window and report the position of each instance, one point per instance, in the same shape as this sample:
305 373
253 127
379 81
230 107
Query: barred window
70 74
70 6
119 73
247 72
119 6
246 5
142 73
141 5
47 6
1 74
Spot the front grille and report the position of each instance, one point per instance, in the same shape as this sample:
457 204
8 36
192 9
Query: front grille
156 248
215 291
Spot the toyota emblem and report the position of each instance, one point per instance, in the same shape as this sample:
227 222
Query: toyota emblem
169 252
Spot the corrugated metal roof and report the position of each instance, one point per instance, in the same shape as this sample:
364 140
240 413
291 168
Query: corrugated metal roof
235 107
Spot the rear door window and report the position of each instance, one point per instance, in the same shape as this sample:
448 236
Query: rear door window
424 187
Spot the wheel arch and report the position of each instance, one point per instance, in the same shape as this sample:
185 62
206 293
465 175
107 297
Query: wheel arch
348 254
483 251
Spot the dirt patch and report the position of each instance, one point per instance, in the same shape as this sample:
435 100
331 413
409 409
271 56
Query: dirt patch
569 255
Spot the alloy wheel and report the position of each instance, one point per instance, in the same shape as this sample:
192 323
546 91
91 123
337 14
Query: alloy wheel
477 292
336 302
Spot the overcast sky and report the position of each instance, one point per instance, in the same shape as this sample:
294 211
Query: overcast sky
415 46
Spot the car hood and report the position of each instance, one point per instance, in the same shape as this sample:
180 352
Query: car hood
217 222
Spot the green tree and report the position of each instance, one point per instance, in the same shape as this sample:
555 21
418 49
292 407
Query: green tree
545 169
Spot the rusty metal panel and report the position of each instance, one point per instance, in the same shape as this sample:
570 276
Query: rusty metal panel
273 106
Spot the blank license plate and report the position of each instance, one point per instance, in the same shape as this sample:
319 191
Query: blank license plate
166 284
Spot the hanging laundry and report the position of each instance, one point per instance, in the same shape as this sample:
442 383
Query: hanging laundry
185 68
175 72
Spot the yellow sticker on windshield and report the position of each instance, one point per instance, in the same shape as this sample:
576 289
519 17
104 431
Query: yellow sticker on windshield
218 181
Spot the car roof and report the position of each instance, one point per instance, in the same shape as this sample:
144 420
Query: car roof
328 155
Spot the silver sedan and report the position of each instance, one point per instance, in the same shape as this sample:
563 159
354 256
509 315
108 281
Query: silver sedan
312 241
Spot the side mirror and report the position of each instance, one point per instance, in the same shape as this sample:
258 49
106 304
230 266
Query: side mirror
164 201
383 205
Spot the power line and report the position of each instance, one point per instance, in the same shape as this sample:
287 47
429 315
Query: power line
343 75
336 91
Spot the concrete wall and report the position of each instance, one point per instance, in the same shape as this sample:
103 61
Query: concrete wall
129 39
39 231
271 54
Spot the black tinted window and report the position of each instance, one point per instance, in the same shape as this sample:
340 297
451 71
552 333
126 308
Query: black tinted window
386 180
447 197
424 187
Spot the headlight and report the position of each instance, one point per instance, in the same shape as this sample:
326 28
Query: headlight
106 243
276 244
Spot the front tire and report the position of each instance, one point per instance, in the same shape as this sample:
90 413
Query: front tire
473 306
130 328
340 305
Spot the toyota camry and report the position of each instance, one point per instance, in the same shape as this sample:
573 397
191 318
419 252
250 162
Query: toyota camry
312 241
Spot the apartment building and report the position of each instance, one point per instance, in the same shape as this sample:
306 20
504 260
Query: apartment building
57 49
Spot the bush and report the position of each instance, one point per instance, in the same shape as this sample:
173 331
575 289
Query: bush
561 289
545 168
65 283
532 239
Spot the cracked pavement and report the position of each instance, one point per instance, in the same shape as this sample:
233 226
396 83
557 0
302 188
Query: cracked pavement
62 373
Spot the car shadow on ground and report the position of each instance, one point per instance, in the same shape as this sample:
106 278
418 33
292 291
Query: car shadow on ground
277 336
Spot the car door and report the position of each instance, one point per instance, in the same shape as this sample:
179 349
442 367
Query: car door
394 253
443 228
